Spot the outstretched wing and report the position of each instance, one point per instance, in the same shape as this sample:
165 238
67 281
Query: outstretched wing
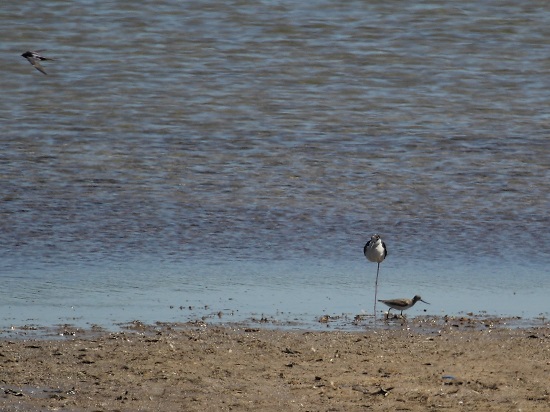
36 65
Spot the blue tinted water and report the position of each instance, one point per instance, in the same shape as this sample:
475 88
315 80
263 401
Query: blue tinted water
236 157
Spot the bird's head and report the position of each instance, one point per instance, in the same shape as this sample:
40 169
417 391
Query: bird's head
418 298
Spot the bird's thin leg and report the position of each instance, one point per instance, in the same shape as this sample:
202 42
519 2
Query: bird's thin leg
376 290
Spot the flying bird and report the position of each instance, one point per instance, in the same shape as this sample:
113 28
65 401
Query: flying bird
34 58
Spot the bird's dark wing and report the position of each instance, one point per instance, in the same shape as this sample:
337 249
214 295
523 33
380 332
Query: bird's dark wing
366 247
385 250
36 65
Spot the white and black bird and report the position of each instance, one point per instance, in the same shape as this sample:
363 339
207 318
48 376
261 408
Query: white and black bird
401 304
34 58
375 250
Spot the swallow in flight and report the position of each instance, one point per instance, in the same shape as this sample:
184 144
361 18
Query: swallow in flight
34 58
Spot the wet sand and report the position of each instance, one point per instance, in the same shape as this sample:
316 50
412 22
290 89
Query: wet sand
200 367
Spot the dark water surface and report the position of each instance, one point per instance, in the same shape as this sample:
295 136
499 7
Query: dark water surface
235 156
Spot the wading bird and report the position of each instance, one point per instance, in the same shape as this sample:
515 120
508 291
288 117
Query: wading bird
401 304
375 251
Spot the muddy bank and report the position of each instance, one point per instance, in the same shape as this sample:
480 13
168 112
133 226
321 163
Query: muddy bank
199 367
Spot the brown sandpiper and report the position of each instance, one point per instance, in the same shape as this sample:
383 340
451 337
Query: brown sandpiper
401 304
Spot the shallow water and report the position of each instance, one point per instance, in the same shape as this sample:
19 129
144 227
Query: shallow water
237 156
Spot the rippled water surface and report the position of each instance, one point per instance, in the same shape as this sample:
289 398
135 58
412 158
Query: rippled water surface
235 156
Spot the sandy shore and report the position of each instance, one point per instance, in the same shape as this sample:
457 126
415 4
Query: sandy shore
213 368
